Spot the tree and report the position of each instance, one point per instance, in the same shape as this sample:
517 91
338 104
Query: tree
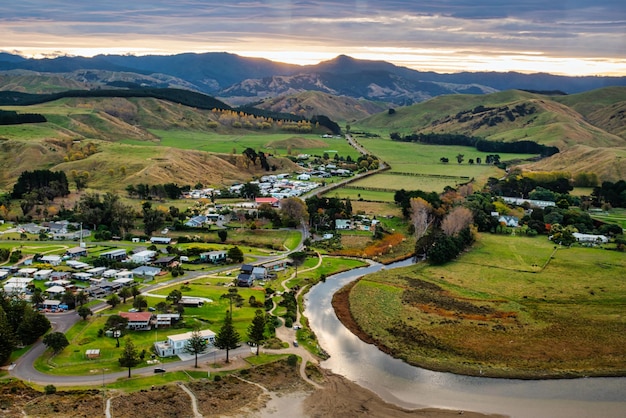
293 211
456 220
57 341
233 296
227 337
256 330
124 293
130 356
82 297
298 258
7 338
140 302
235 254
84 312
222 234
37 297
152 218
195 345
113 300
421 216
33 325
174 296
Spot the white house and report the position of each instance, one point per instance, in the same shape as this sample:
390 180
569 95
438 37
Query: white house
42 274
143 257
53 260
146 272
124 274
16 285
27 272
55 291
175 344
213 256
589 238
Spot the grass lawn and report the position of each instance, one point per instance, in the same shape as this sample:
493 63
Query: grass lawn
512 306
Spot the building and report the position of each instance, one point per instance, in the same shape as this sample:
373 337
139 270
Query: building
197 221
175 344
213 256
165 261
42 275
17 285
143 257
53 260
160 240
245 280
166 320
55 291
277 265
590 238
138 321
146 272
76 252
124 274
191 302
116 255
518 201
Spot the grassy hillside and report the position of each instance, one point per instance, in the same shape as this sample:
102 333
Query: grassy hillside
310 103
589 129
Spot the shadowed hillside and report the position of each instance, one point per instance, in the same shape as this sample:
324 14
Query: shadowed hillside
310 103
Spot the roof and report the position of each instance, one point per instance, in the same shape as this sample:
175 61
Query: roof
146 271
137 316
55 289
76 250
207 333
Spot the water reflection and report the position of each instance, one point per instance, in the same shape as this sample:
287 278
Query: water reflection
413 387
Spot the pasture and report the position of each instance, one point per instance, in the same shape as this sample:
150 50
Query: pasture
512 306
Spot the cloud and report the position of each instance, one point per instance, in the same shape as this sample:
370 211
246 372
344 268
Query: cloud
571 28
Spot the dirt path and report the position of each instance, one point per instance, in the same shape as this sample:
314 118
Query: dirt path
194 401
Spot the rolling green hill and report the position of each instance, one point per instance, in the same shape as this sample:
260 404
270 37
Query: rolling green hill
588 128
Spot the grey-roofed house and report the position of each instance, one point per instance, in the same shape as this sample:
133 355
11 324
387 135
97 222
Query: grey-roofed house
146 272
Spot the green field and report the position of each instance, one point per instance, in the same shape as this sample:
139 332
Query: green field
512 306
209 142
393 182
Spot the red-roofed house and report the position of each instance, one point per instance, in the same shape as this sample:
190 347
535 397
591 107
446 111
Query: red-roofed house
272 201
138 321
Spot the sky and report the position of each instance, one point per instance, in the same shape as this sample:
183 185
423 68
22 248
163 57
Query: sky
569 37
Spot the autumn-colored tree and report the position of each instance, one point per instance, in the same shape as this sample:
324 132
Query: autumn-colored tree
421 216
456 220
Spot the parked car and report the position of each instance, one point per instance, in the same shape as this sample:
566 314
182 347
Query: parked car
159 370
295 343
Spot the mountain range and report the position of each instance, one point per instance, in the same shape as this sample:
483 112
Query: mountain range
241 80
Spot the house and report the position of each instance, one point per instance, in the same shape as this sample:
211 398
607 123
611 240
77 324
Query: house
92 353
97 271
76 252
272 201
143 257
164 261
532 203
190 302
55 291
60 275
245 280
83 277
110 273
160 240
304 177
53 260
510 221
116 255
51 304
343 224
259 273
124 281
213 256
42 275
124 274
197 221
64 283
78 265
4 274
589 238
27 272
96 292
166 320
16 285
146 272
175 344
138 321
277 265
247 268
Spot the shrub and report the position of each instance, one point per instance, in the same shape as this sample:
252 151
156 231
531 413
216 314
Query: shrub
50 389
292 360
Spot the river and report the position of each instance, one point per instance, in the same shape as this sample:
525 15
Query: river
412 387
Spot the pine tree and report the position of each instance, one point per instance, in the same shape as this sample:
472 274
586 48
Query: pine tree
256 330
7 338
195 345
130 356
227 337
